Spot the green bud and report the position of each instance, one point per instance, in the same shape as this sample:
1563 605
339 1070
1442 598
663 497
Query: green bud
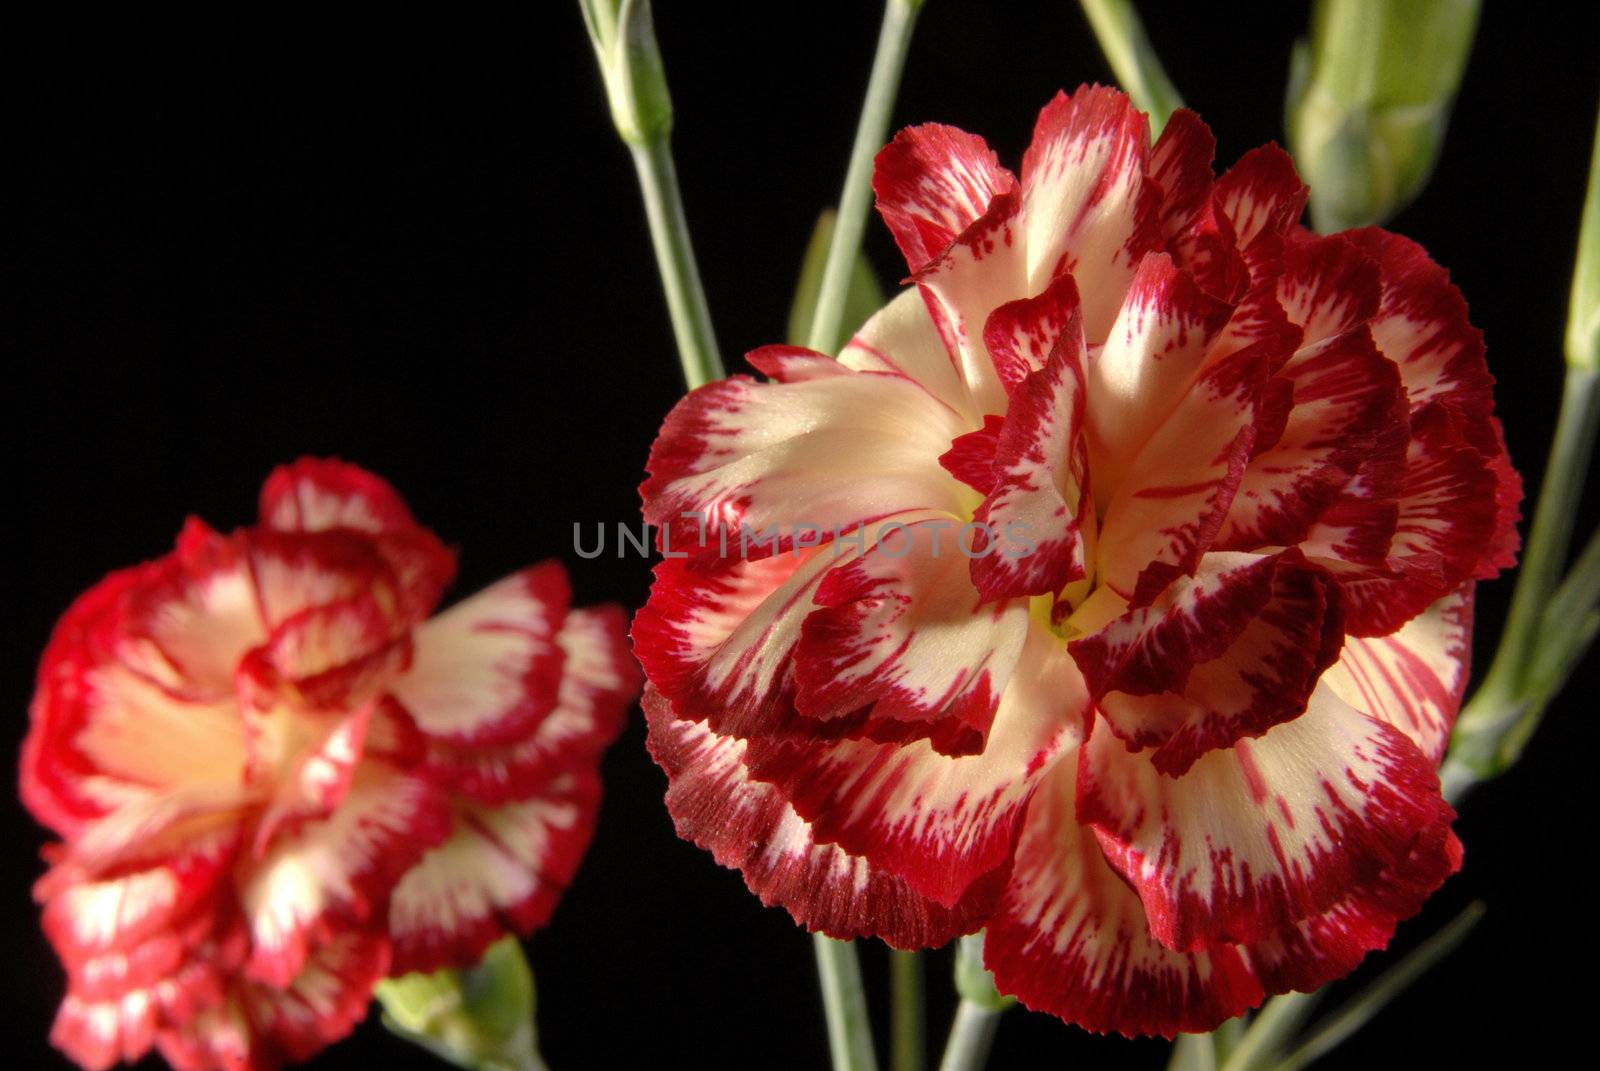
480 1019
624 37
1369 98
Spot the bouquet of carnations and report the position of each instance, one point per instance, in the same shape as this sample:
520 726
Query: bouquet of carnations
1101 601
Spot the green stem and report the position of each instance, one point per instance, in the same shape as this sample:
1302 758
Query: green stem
978 1014
971 1036
1226 1037
1539 649
1580 591
1271 1030
844 1002
629 57
1506 697
894 40
907 1025
1342 1024
1193 1052
669 234
1138 70
849 1030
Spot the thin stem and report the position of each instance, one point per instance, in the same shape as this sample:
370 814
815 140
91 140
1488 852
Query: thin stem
1580 591
1226 1037
1271 1030
1193 1052
1122 38
1503 699
907 1016
1363 1006
849 1030
894 40
1496 724
669 234
971 1037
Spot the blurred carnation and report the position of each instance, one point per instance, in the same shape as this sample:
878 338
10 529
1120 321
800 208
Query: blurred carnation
277 780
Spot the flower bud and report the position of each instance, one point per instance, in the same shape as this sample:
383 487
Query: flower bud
480 1018
624 37
1369 98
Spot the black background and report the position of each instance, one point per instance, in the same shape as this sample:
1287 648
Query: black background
418 246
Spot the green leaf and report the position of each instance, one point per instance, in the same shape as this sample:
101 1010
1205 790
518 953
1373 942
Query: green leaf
1583 315
862 299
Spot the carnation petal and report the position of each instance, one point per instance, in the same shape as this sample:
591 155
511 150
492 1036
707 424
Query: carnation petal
1262 198
334 873
1034 514
599 681
1448 518
1422 326
199 611
1088 207
1069 938
315 494
747 825
939 822
1413 678
326 495
489 668
719 644
902 339
1344 396
141 950
1328 286
1196 232
1259 836
1022 334
743 468
932 183
86 916
1172 500
1216 657
261 1028
980 271
502 869
1150 361
161 994
898 637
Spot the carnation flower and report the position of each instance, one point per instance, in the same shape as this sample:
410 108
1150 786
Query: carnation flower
277 780
1112 591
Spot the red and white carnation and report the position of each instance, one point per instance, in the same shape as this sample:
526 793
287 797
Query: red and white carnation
1112 590
278 780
